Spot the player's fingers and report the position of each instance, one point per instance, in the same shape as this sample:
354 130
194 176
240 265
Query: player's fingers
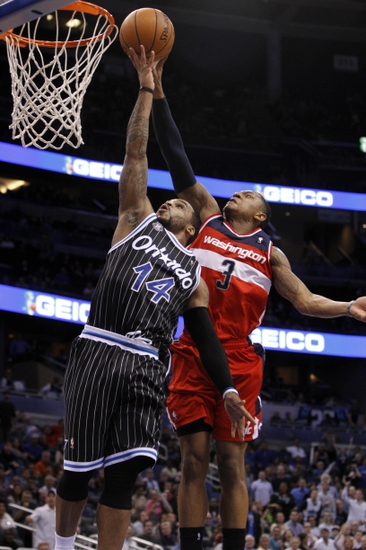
241 429
249 417
233 429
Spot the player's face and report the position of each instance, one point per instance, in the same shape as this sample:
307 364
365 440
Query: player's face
243 204
175 215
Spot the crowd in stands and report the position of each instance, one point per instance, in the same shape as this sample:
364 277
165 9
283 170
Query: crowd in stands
300 498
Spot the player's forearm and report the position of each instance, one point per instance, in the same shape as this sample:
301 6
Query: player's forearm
319 306
212 354
171 146
138 126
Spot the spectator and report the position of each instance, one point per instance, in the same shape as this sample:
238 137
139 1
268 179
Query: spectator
167 539
312 505
280 521
325 542
326 522
8 459
20 516
280 476
138 525
43 520
314 527
357 507
33 449
300 493
335 531
275 541
169 469
150 481
262 489
341 514
249 542
296 450
148 533
6 521
254 522
295 543
156 504
10 539
283 500
343 542
310 538
263 542
287 537
130 533
139 497
44 466
327 499
294 524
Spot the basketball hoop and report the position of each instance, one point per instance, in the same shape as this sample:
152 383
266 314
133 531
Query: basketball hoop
48 94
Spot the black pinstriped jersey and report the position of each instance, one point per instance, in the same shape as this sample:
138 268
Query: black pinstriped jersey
147 278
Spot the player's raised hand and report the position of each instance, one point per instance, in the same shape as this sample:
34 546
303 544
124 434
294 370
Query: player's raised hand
143 65
158 78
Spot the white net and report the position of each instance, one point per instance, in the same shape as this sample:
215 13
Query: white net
49 83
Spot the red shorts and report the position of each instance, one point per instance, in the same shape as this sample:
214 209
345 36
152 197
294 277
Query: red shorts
192 394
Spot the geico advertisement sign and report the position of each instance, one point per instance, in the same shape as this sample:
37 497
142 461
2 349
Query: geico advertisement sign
288 195
59 308
92 169
271 338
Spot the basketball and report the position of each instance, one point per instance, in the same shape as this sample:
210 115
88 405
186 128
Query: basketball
149 27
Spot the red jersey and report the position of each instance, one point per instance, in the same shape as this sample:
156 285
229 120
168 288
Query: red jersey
237 271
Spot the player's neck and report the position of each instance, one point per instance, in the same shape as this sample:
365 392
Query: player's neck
241 226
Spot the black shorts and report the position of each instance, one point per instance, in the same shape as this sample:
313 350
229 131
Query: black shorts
114 401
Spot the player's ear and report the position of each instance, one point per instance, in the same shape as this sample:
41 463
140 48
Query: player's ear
260 217
190 230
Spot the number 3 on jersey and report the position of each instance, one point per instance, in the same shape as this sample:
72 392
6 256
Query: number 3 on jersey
227 273
160 287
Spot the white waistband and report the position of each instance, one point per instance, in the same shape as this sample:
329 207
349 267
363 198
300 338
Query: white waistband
134 345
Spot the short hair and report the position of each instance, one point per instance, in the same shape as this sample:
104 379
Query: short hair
267 211
196 222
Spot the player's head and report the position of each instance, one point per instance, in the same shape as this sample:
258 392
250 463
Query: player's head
178 216
248 206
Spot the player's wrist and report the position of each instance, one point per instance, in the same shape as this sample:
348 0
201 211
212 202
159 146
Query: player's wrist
144 88
228 390
158 93
348 310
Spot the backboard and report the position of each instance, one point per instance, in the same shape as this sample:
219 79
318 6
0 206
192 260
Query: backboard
14 13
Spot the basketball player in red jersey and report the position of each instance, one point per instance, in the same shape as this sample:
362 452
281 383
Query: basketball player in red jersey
239 265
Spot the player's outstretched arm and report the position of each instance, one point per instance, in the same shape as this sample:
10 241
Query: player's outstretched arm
307 303
172 148
134 205
198 323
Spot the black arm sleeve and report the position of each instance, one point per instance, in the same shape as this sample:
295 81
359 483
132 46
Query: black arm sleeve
213 357
171 146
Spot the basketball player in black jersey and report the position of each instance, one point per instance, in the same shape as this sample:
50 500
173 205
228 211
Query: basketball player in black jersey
115 376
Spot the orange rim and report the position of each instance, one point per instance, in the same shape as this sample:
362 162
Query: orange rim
79 5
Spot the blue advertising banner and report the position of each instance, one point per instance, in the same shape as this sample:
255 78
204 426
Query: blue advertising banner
160 179
63 308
